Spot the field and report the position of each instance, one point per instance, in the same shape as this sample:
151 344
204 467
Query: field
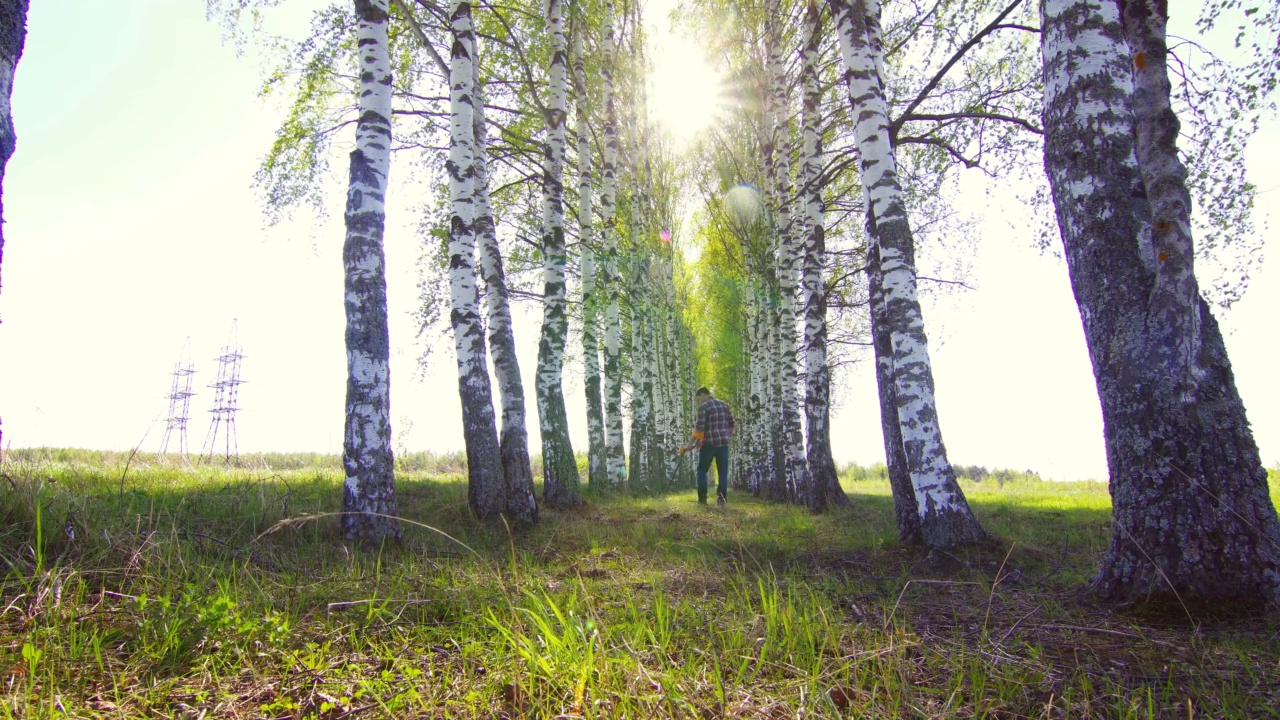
138 587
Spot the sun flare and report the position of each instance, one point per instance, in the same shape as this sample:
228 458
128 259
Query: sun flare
685 91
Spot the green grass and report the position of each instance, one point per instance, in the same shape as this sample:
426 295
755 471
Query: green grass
169 591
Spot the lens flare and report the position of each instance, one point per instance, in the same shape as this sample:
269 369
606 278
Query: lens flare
742 202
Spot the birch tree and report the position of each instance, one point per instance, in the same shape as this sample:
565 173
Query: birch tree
13 36
516 493
597 462
945 516
486 487
789 262
613 440
961 107
824 481
1192 518
645 280
560 469
769 478
369 498
521 505
905 507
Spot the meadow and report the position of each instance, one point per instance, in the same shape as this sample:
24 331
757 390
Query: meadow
138 586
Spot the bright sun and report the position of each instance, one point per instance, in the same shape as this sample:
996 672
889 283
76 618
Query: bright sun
684 90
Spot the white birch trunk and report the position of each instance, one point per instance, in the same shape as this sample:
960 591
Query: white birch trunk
741 477
13 36
486 487
1175 300
1193 523
905 508
904 496
597 462
764 475
369 499
641 474
520 500
672 424
776 438
772 481
560 468
945 516
613 440
641 386
824 480
795 467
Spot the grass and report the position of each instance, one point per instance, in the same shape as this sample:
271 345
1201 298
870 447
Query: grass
209 592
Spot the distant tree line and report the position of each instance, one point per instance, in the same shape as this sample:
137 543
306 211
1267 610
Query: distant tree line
974 473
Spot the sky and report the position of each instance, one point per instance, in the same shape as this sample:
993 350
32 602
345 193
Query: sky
132 225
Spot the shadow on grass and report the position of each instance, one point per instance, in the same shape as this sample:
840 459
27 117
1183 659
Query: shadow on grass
225 510
803 606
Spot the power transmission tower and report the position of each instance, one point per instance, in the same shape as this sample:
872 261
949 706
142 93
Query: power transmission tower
179 398
226 392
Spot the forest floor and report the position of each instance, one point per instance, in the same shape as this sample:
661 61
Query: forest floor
135 587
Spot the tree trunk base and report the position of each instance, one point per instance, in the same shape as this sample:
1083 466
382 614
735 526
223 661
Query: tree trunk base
562 498
370 526
950 527
522 504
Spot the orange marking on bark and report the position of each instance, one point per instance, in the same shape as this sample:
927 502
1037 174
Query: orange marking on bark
1163 256
1163 226
1140 60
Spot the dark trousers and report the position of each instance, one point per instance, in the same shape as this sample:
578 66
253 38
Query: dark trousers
719 453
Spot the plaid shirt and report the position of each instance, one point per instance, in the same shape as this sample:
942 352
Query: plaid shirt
714 423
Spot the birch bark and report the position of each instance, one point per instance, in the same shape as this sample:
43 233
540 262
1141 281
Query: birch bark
904 498
1175 307
776 487
904 495
640 297
794 467
13 36
1192 519
945 516
750 445
597 463
640 471
824 481
486 486
521 502
772 481
615 455
369 490
672 423
645 472
560 468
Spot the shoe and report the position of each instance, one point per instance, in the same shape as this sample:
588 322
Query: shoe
721 500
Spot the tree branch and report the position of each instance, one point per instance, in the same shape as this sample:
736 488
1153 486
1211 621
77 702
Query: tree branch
942 144
422 38
942 117
1015 26
961 283
896 125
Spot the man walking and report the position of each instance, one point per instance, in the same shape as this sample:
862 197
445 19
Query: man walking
712 431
